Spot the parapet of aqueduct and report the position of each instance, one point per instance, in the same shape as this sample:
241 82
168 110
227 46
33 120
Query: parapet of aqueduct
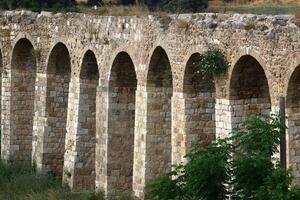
109 102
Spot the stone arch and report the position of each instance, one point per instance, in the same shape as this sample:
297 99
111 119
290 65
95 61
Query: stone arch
249 90
159 95
199 101
246 51
23 74
293 122
85 161
58 79
121 121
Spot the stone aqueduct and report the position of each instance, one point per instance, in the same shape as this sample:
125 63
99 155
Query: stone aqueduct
109 102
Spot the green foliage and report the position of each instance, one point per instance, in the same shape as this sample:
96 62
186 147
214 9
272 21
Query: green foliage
241 166
93 2
205 176
177 6
208 171
38 5
275 185
116 195
254 147
211 63
181 6
166 188
19 181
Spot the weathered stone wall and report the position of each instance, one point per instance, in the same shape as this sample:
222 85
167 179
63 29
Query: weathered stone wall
110 102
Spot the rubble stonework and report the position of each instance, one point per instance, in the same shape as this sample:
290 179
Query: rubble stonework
110 102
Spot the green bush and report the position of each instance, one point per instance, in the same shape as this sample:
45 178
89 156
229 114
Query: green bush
19 181
254 147
184 6
177 6
241 166
93 2
38 5
165 187
211 63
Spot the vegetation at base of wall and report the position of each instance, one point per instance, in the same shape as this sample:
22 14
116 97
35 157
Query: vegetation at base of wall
212 62
243 166
19 181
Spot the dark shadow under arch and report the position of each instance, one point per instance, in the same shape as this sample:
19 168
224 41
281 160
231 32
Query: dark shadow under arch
58 79
249 91
159 95
293 123
23 74
199 96
121 122
84 174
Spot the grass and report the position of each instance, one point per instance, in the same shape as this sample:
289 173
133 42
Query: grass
182 24
115 10
268 7
20 181
272 7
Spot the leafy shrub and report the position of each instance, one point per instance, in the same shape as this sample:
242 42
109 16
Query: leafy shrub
19 181
182 24
38 5
165 187
211 63
241 166
184 5
177 6
93 2
205 176
254 147
275 186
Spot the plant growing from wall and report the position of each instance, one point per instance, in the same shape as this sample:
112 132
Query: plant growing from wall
182 24
36 53
4 33
211 63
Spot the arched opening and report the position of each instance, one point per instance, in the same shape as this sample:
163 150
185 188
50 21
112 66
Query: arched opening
293 123
121 120
159 93
23 74
249 91
58 78
199 96
84 175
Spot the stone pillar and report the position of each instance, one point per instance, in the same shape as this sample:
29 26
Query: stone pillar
71 134
139 165
223 111
39 120
79 159
101 138
179 137
6 146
